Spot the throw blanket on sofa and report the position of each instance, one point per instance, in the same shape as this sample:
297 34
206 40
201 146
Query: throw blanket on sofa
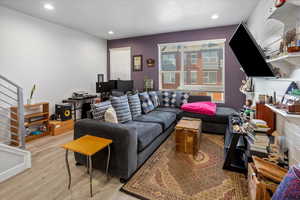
205 108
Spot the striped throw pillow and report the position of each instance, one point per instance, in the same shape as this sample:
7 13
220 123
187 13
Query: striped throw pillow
154 98
135 105
99 109
121 106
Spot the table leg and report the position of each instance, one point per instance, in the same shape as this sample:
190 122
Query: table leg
90 166
68 168
87 164
107 162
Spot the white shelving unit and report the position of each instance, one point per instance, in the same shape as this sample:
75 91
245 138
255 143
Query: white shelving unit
291 60
282 112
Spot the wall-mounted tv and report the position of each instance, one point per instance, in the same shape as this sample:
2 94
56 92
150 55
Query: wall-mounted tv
249 54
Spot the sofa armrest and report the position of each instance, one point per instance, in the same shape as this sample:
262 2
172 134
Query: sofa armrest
123 149
192 99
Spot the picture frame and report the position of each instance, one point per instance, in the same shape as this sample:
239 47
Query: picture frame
137 63
150 62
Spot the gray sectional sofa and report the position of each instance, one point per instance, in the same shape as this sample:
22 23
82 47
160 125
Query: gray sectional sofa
136 140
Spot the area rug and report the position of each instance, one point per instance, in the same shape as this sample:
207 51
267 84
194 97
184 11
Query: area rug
169 175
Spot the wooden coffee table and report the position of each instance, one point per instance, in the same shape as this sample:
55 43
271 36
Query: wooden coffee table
87 145
188 133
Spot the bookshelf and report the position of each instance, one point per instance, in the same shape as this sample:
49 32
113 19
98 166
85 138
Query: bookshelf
39 115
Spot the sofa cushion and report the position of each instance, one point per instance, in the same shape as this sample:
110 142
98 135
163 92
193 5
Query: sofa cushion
182 98
122 109
165 119
147 105
146 132
154 98
165 98
221 116
173 99
177 111
99 109
135 105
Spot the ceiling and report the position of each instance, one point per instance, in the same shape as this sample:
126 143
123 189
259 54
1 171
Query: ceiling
129 18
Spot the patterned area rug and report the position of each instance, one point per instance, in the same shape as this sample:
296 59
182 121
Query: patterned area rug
170 175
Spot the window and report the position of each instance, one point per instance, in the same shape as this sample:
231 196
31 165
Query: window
211 59
169 77
168 61
210 77
194 66
190 77
194 77
194 58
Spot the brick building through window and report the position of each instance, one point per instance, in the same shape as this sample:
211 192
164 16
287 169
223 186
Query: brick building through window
197 67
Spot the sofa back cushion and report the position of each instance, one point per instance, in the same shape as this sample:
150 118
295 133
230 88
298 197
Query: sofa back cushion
154 98
147 105
99 109
135 105
122 109
173 98
182 98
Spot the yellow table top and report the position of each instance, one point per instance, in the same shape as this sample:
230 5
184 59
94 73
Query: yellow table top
87 145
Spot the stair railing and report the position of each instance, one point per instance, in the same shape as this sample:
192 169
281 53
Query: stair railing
12 131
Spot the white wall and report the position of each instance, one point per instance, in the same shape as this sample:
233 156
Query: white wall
264 32
58 59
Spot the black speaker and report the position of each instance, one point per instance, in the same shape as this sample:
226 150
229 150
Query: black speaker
63 112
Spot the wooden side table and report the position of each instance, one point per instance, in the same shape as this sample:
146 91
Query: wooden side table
87 145
188 132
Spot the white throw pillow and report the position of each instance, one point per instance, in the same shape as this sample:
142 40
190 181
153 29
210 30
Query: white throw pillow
111 115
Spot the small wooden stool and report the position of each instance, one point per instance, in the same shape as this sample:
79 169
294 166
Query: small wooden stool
87 145
188 132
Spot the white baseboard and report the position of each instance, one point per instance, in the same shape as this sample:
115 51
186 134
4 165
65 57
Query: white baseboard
12 153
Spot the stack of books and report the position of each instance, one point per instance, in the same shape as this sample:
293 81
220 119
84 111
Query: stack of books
258 142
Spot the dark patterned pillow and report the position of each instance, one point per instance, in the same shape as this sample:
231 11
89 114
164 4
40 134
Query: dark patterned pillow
121 106
135 105
147 105
154 98
165 98
98 110
182 98
173 101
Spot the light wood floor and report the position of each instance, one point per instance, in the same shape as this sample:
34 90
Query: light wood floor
47 179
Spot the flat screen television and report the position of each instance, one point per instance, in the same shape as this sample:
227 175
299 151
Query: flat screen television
249 54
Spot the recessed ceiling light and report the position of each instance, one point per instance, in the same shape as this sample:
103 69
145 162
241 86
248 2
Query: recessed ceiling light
110 32
215 16
48 6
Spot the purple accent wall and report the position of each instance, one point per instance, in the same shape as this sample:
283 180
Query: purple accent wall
148 47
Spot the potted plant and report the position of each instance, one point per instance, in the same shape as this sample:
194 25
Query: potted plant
30 100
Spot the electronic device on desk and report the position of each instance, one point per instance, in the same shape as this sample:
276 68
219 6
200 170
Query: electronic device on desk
63 112
79 95
120 86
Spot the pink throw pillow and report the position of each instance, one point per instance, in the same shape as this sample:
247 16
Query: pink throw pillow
205 108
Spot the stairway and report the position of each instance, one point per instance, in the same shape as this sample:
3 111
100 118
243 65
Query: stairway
13 159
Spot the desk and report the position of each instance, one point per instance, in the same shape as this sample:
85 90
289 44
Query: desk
87 145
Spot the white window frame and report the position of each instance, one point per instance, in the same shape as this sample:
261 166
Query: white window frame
194 60
170 54
196 88
170 72
215 72
194 72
